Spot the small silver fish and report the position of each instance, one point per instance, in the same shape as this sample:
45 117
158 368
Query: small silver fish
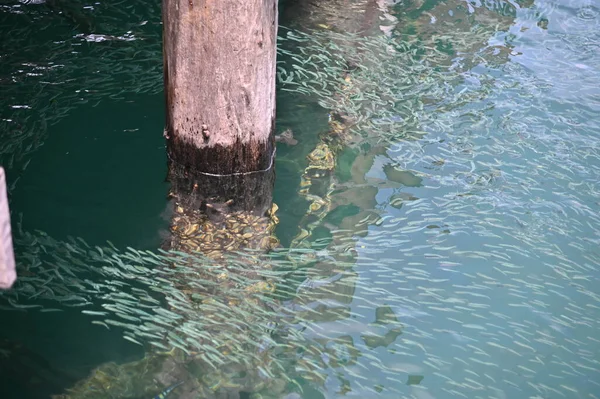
286 137
163 394
388 120
408 312
310 284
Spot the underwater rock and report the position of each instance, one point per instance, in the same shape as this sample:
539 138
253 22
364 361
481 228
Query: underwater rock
414 379
403 177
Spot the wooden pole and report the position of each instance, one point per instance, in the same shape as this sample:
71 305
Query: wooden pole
219 74
8 275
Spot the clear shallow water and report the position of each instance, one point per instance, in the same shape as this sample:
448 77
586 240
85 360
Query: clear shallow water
459 257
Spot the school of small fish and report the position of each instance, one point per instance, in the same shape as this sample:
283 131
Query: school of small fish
477 279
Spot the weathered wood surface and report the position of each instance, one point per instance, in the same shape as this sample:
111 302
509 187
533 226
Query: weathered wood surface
8 275
219 71
219 60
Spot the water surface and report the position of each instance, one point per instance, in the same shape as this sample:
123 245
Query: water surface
455 250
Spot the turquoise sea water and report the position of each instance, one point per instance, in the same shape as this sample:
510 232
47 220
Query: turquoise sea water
459 257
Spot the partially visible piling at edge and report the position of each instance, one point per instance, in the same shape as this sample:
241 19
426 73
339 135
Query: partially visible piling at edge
8 274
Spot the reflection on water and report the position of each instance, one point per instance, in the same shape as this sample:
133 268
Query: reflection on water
447 242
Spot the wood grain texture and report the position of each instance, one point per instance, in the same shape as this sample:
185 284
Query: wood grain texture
219 60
